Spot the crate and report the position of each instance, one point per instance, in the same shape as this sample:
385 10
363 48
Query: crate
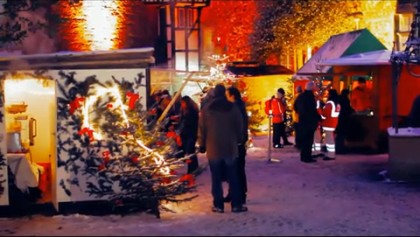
45 178
404 158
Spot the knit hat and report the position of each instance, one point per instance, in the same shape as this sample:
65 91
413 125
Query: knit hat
310 85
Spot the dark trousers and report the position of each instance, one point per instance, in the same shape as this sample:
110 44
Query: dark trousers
340 147
297 135
188 145
306 139
243 187
279 131
229 167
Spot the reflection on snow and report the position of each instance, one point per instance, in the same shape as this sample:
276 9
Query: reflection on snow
404 132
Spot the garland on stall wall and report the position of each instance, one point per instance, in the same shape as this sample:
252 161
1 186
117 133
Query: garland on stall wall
131 165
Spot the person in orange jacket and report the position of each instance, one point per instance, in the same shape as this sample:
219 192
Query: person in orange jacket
277 107
330 113
361 97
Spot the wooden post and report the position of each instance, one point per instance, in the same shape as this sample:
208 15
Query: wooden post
270 144
174 98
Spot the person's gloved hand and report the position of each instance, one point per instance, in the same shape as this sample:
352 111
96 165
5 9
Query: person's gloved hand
202 149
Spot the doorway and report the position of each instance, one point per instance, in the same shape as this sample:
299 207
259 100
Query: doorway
30 122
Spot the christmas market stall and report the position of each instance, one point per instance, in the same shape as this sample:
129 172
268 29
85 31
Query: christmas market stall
327 77
73 130
375 66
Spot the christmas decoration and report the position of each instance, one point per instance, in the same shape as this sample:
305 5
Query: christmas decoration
125 161
219 74
255 118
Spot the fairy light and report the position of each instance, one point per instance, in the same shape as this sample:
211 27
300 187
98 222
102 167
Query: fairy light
91 100
157 158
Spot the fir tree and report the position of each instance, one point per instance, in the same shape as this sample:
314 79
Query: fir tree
126 161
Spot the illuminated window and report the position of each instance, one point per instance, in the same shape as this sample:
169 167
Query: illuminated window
184 17
405 21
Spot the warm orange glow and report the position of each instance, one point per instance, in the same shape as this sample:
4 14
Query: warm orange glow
92 25
227 26
101 23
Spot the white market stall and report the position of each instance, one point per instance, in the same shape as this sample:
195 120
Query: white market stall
44 123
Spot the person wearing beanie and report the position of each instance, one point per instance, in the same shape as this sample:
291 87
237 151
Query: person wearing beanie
220 133
309 118
277 107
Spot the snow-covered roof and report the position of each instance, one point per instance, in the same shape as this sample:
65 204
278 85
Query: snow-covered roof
378 57
340 45
89 59
333 48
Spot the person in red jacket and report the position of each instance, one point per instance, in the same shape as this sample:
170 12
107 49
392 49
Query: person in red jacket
329 122
277 107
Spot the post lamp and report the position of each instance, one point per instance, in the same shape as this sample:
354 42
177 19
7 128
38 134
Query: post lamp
410 56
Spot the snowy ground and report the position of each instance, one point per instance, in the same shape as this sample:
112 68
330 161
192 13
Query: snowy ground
342 197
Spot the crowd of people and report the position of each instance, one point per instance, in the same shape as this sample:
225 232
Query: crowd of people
323 123
219 126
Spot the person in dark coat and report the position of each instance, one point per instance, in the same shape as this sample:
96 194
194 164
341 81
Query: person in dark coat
220 133
188 129
414 115
207 97
299 91
343 121
234 96
309 118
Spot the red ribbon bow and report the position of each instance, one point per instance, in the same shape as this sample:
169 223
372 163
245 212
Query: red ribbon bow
75 104
132 98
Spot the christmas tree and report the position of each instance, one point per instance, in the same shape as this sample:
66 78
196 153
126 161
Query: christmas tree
127 162
219 74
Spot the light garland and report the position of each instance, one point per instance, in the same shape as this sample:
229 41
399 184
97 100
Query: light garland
157 158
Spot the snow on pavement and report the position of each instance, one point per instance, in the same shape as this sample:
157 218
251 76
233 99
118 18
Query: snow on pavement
343 197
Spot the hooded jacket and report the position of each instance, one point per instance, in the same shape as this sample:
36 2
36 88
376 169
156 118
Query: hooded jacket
220 129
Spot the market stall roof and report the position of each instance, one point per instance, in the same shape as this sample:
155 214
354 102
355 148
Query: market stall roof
137 57
339 45
377 57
